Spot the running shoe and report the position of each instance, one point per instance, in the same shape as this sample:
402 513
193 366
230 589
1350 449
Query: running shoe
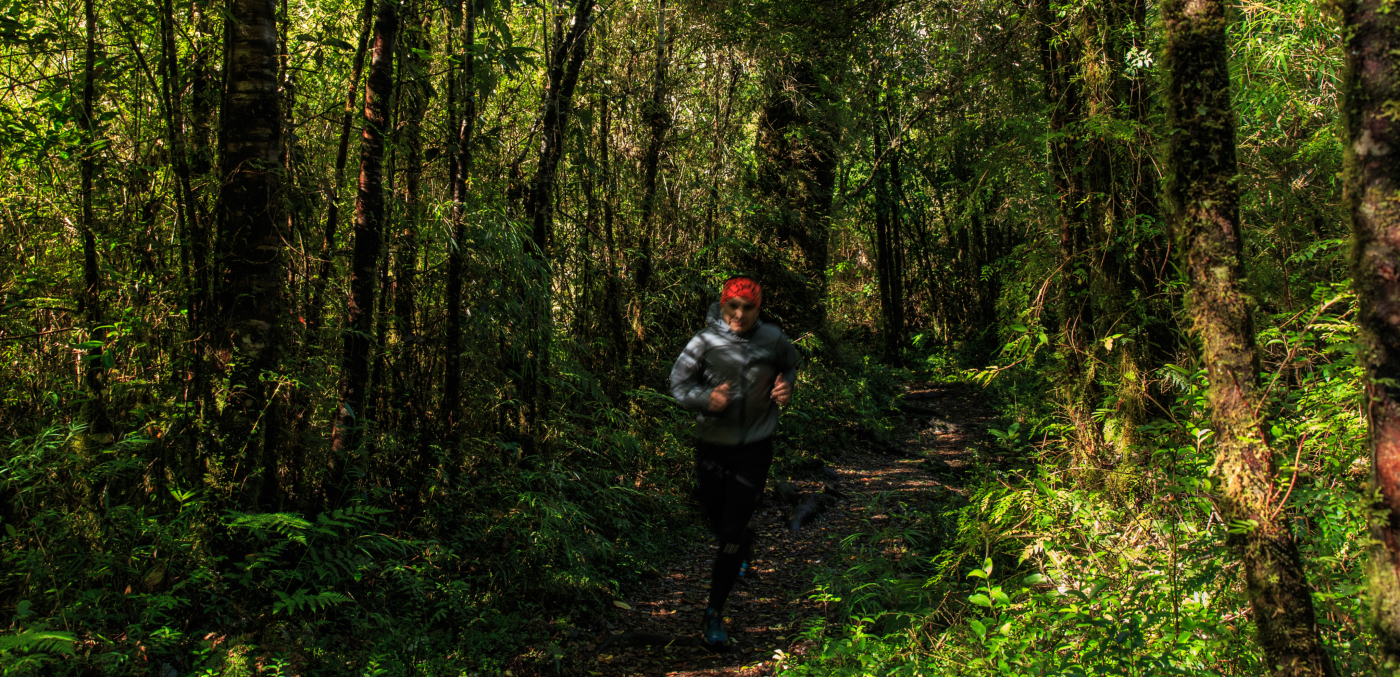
712 630
748 574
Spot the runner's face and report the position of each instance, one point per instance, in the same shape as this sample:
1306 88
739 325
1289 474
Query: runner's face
739 313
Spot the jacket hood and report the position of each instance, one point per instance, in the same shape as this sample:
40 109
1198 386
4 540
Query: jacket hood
715 321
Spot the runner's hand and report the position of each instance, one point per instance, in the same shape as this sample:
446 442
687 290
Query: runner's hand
782 391
719 398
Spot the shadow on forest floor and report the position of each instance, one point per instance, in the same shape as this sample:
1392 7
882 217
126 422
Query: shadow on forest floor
658 634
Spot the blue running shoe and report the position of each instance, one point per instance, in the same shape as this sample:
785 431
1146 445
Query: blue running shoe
712 630
747 573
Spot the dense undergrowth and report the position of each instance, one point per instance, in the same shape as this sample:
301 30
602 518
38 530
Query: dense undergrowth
1053 564
498 557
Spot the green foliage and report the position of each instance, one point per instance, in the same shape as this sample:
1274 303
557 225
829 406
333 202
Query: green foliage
1079 580
26 651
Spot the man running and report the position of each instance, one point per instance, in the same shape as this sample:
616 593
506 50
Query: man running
735 373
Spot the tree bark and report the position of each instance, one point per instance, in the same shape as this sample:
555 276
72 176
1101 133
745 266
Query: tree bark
1372 180
796 178
566 60
342 155
192 254
94 411
612 298
1205 222
415 98
658 119
369 224
460 171
1060 54
250 233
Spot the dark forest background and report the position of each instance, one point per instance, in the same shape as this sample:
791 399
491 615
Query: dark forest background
340 331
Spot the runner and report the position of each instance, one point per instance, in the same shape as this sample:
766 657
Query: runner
735 373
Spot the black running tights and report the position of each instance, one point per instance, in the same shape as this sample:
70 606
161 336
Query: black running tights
730 483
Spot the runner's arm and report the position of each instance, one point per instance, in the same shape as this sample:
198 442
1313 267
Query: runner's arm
787 362
687 382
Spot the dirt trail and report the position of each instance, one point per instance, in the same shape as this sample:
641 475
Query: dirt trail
658 636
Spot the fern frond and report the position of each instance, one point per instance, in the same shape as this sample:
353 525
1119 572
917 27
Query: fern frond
43 641
301 600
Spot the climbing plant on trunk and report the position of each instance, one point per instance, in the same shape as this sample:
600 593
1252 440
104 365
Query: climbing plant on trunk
1372 179
1206 225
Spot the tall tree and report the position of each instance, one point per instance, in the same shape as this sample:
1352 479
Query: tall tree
565 63
612 296
1372 178
460 139
797 160
250 237
414 70
658 122
193 255
1060 53
889 268
342 157
369 229
90 301
1206 224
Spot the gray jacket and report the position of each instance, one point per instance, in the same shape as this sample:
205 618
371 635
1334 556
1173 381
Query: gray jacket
750 362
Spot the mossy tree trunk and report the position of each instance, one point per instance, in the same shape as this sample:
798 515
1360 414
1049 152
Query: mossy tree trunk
1372 148
1206 223
1060 53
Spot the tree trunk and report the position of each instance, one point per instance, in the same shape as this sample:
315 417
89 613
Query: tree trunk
342 155
415 97
884 256
566 60
94 412
1205 222
460 170
369 223
612 298
1060 54
888 257
192 255
1158 330
796 179
658 119
1372 181
250 232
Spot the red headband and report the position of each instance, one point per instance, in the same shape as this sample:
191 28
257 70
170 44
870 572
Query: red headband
743 287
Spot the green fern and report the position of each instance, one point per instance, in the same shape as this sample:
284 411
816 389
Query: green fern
28 650
287 524
301 600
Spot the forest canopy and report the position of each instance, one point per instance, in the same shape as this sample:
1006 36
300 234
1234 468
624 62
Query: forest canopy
336 335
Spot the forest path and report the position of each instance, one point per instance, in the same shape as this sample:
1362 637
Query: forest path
658 635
